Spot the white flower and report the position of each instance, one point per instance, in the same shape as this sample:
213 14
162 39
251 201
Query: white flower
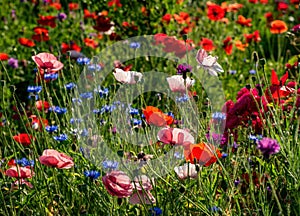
176 83
185 171
128 77
208 63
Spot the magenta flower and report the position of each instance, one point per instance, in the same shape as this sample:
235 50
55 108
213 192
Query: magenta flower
268 146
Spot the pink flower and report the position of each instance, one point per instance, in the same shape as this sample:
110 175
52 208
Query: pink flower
117 183
47 63
128 77
185 171
175 136
19 172
18 182
208 63
176 83
56 159
143 185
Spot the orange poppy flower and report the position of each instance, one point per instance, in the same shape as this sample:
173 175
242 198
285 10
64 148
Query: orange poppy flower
3 57
240 46
182 18
155 116
278 27
202 153
73 6
227 45
90 43
26 42
41 34
243 21
88 14
55 5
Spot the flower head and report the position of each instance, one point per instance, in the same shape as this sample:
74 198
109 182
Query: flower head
268 146
93 174
208 63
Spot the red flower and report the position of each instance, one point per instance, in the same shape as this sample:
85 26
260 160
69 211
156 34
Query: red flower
263 1
47 21
155 116
23 139
73 6
41 34
269 17
182 18
55 5
114 2
42 105
215 12
26 42
253 1
207 44
3 57
227 45
166 18
282 6
88 14
90 43
252 37
201 153
278 27
103 23
243 21
56 159
71 46
19 172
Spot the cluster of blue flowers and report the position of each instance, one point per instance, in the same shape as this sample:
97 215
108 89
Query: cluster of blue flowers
24 162
93 174
58 110
61 137
51 129
107 164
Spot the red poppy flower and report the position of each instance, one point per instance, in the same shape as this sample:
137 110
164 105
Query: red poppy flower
243 21
73 6
38 123
167 18
269 17
155 116
282 6
227 45
278 27
23 139
202 153
215 12
207 44
114 3
263 1
41 34
71 46
26 42
253 1
88 14
42 105
252 37
3 57
90 43
278 89
182 18
47 21
55 5
103 23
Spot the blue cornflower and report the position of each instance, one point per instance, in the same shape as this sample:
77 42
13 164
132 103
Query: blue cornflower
155 211
182 99
252 71
58 110
70 85
97 111
170 114
24 162
255 138
52 128
178 155
107 164
219 116
102 92
50 76
94 67
83 61
215 209
135 45
232 72
34 89
107 108
237 182
86 95
224 155
84 132
133 111
136 121
93 174
61 137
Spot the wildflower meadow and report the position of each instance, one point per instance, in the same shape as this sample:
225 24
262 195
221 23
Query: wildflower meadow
172 107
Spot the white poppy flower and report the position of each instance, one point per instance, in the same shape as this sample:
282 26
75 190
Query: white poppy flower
208 63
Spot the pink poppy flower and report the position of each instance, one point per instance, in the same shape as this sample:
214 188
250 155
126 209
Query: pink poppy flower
47 63
175 136
176 83
19 172
128 77
56 159
185 171
143 185
208 63
117 183
15 185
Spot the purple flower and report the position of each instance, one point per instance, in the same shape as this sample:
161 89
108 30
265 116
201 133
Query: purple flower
184 68
62 16
268 146
13 63
296 28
